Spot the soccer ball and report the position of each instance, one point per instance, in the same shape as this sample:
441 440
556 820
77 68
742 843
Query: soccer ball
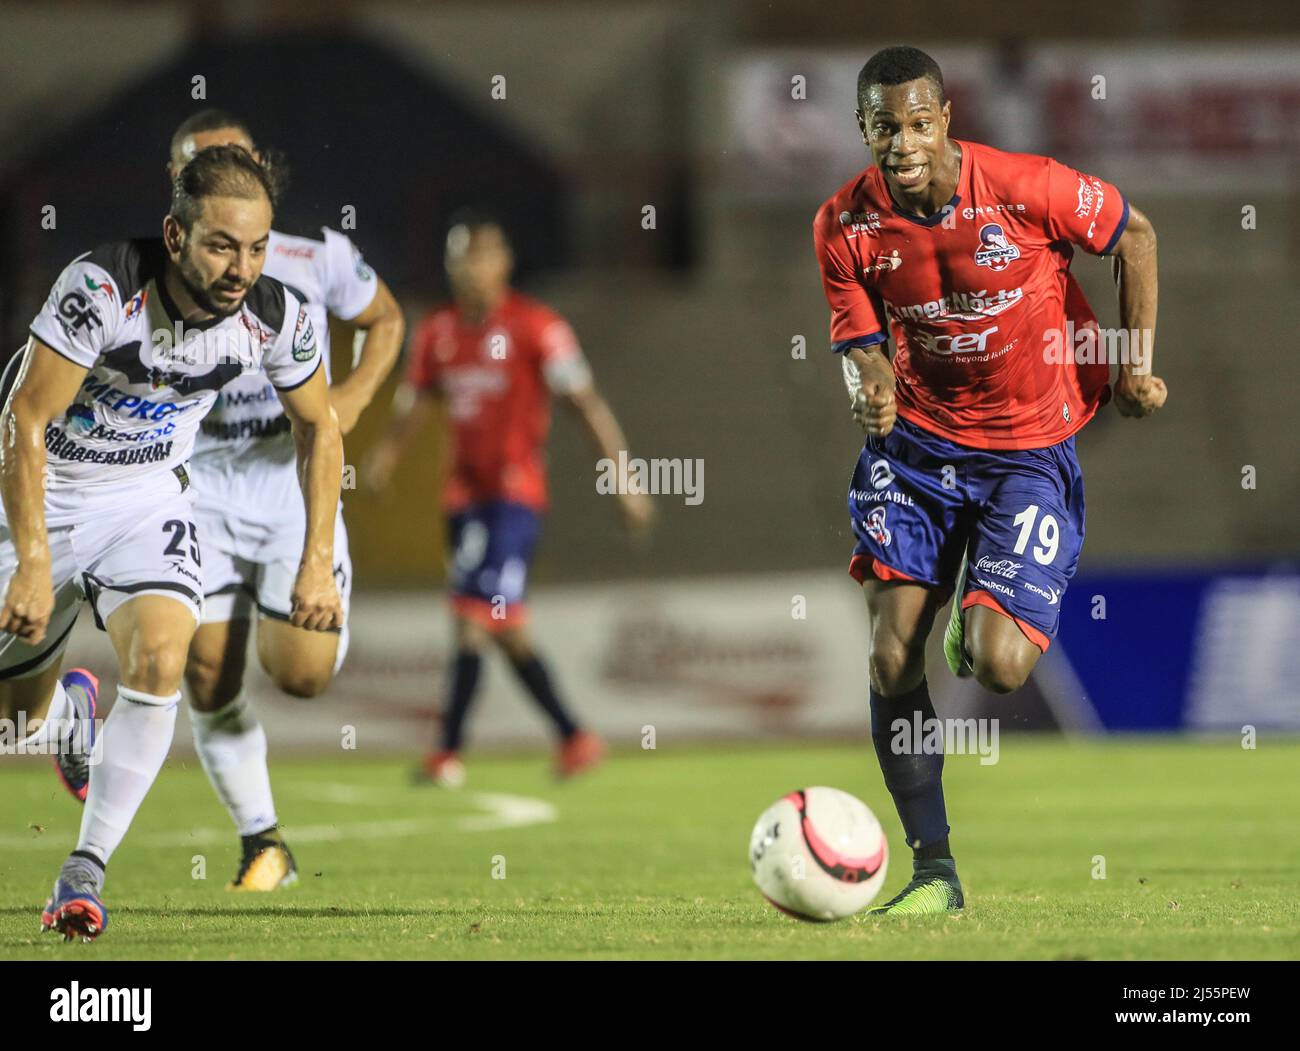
818 854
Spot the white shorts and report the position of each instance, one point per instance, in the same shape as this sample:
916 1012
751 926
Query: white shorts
251 522
108 545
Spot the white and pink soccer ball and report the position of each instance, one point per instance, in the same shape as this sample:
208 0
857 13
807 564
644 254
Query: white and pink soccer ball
819 854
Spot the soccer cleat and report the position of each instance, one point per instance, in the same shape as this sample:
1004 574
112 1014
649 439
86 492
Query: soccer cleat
934 889
75 912
954 635
443 769
267 864
580 752
72 759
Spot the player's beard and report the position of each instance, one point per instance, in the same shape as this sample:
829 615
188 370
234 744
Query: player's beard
201 293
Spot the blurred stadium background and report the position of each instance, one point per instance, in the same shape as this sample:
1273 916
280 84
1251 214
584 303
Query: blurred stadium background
734 121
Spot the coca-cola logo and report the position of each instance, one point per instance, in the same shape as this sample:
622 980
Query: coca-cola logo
1002 567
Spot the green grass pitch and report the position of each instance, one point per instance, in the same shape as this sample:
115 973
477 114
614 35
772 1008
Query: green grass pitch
647 858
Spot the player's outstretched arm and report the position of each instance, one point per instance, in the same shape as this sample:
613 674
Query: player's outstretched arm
412 408
319 445
382 328
46 385
606 436
1138 391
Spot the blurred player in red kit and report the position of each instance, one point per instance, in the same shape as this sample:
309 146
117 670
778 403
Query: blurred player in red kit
968 485
494 357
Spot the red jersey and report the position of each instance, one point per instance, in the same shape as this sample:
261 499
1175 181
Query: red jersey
497 377
976 305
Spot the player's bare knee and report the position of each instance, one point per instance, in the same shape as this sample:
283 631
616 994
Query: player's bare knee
515 645
895 667
302 683
155 664
1003 670
470 636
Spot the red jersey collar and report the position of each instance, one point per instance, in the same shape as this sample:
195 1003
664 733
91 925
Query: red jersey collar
963 189
491 317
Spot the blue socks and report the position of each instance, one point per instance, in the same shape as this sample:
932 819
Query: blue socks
913 772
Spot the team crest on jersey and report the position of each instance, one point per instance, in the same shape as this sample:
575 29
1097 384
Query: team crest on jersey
995 251
876 528
304 337
135 305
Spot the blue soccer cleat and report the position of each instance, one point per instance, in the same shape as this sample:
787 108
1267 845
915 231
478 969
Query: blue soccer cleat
74 912
72 760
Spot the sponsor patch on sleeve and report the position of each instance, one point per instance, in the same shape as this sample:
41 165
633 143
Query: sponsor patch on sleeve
304 337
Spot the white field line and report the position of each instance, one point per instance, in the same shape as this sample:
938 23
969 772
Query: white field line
498 811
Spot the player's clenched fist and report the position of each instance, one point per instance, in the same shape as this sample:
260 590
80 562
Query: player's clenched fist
1139 395
29 603
316 604
875 411
871 381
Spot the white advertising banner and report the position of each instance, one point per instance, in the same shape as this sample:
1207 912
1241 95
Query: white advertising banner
1207 117
767 656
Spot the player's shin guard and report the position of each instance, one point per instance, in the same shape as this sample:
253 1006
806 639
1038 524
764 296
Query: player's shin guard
464 682
533 674
912 766
232 748
128 754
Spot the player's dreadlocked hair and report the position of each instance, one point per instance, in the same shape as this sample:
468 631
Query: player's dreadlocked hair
210 119
898 65
222 171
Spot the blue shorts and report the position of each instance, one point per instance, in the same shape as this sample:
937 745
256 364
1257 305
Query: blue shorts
491 551
918 502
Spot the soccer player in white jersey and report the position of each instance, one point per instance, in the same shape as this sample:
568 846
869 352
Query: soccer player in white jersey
123 362
251 526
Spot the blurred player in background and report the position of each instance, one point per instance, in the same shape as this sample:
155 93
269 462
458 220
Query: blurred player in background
495 356
124 360
251 526
968 481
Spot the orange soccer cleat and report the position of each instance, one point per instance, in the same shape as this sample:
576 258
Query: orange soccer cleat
444 769
580 752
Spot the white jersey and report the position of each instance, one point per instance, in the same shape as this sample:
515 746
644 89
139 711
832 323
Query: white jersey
330 277
152 378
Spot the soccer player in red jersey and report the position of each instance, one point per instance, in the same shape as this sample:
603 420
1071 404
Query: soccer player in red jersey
968 484
495 356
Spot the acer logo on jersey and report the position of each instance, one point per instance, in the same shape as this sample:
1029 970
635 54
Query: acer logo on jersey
960 343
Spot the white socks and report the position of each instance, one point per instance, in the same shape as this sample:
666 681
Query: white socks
56 718
232 747
128 754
